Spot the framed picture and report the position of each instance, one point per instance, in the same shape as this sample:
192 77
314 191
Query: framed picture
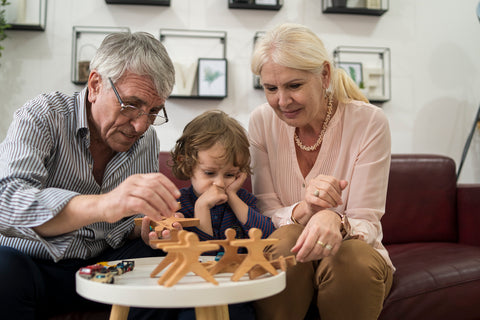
27 14
354 70
212 77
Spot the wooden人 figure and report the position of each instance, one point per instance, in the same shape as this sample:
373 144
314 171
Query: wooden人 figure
255 246
187 254
178 237
231 258
167 223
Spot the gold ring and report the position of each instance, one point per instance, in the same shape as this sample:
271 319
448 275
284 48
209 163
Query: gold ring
316 193
321 243
328 247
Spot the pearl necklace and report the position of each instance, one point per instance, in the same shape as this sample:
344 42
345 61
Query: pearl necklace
322 133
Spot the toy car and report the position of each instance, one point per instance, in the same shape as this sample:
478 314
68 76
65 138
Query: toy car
125 266
89 271
103 277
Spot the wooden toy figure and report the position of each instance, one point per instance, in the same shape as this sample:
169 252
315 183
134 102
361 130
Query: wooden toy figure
255 246
231 258
187 254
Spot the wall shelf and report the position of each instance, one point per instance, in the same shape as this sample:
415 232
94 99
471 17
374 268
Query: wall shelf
256 4
373 65
142 2
27 15
201 73
85 42
360 7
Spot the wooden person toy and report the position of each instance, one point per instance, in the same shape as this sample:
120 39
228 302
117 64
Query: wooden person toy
178 237
231 258
167 223
255 246
187 254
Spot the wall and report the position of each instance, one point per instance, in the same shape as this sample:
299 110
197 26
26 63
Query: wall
435 46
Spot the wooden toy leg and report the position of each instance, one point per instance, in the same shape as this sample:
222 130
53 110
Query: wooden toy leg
212 313
119 312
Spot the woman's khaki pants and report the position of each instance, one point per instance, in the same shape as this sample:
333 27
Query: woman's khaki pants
350 285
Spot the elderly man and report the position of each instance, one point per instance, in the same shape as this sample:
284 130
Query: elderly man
76 170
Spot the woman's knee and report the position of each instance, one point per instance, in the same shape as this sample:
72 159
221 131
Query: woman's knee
355 262
287 237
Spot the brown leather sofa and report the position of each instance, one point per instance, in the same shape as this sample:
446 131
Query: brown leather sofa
432 232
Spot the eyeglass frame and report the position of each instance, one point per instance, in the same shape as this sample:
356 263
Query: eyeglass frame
123 106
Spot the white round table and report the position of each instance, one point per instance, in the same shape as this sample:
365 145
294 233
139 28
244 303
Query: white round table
137 289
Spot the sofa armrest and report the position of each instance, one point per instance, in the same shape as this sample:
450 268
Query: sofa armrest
468 208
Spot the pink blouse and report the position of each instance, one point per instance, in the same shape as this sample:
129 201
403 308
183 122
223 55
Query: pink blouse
356 148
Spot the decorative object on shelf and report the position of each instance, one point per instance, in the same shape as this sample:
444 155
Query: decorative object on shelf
85 41
212 77
191 66
144 2
361 7
339 3
184 77
356 4
373 66
374 4
85 55
354 70
256 78
3 23
256 4
27 15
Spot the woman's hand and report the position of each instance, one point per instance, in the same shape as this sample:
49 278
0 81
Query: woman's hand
320 238
324 192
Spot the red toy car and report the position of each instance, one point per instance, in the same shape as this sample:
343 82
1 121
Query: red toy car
89 271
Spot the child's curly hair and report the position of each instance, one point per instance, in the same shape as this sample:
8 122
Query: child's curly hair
202 133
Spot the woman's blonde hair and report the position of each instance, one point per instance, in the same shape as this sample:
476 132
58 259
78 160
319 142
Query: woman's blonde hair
296 46
202 133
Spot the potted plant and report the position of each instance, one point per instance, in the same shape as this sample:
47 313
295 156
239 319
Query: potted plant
3 22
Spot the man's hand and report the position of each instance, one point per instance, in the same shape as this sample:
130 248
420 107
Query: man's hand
151 194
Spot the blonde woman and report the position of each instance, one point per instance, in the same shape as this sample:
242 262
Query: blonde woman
321 158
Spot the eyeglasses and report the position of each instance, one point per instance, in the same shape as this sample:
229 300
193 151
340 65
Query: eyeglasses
133 113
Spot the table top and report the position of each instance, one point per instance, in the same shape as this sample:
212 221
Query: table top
137 289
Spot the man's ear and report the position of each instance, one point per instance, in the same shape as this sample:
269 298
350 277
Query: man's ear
94 85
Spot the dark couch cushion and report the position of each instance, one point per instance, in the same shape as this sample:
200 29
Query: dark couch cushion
434 281
421 200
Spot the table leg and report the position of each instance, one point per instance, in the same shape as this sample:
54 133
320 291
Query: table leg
212 313
119 312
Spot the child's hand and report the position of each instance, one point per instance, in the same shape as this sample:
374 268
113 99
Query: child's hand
215 195
237 184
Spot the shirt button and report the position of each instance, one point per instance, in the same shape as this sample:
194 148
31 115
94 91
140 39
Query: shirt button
90 166
303 185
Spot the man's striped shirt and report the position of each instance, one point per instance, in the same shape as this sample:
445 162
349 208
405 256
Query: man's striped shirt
45 161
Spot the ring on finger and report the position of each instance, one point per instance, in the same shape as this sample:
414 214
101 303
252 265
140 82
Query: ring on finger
328 247
316 193
321 243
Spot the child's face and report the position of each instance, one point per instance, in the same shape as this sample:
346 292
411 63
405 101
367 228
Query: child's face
212 169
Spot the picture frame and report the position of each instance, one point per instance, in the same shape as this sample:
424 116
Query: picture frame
27 15
354 70
212 77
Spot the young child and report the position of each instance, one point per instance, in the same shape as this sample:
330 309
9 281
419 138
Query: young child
213 153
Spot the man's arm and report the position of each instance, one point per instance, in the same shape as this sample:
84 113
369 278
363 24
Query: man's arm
151 194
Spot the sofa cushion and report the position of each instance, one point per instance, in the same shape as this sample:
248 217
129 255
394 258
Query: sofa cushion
434 281
421 200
